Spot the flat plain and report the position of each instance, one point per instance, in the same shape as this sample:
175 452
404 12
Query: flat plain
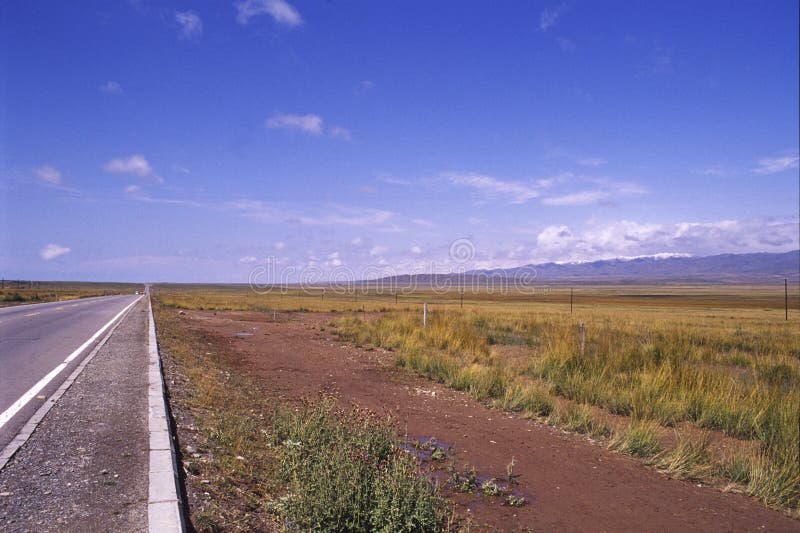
696 383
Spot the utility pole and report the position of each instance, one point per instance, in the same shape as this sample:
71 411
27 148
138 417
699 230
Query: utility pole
786 297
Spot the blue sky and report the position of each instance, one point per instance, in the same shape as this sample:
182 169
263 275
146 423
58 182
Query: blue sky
190 141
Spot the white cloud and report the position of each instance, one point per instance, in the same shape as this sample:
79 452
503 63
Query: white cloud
548 18
280 10
130 189
577 198
592 162
309 123
416 250
490 187
327 216
279 245
377 250
340 133
48 173
712 170
135 164
51 251
394 181
248 259
422 222
773 165
190 23
333 260
111 87
630 239
364 86
565 44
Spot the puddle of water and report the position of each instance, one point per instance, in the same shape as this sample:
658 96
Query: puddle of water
436 458
428 449
242 334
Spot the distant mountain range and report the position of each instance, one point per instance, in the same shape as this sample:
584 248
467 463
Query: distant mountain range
724 268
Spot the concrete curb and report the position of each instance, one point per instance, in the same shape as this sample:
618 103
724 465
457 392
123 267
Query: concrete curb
164 505
34 421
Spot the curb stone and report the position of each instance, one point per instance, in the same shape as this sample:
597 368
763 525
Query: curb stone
164 504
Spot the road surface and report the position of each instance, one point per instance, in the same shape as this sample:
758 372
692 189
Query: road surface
35 340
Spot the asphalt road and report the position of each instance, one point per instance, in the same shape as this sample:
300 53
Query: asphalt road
35 340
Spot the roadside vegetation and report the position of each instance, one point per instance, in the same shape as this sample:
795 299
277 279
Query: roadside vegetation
723 373
256 463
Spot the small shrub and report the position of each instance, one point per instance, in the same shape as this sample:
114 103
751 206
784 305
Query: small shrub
345 473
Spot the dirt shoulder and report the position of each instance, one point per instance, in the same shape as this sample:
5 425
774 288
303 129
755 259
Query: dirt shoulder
85 467
570 484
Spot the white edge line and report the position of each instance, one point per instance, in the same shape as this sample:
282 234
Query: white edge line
32 423
164 506
9 413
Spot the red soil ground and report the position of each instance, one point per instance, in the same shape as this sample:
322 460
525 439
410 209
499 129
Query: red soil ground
571 485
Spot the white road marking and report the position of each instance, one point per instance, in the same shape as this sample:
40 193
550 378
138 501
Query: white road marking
33 314
9 413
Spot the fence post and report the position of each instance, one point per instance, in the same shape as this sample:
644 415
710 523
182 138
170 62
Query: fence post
424 315
583 336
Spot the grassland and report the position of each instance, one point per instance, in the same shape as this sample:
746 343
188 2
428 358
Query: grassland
25 292
666 373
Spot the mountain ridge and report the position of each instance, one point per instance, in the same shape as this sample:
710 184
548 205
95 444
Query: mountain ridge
757 267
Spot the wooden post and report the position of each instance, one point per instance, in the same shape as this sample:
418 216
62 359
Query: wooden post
583 336
323 295
786 297
570 301
395 296
424 315
462 298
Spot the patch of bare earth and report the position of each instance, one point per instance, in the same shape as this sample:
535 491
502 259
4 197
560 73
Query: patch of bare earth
569 483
